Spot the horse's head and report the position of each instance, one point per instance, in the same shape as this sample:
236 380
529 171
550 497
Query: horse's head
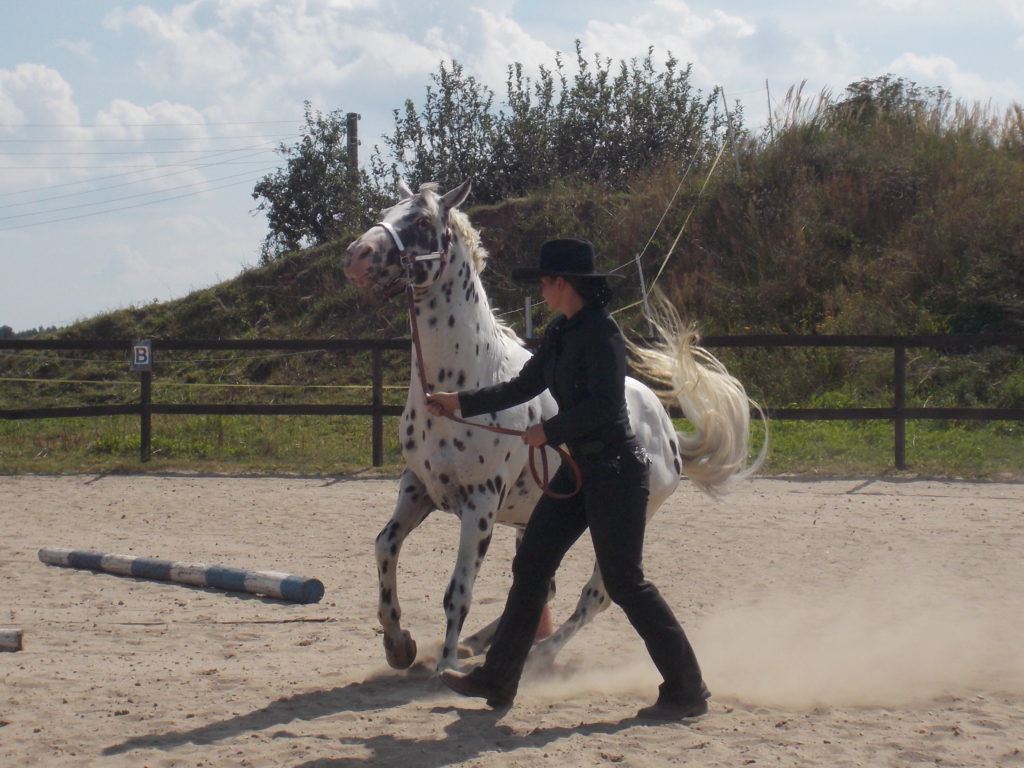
408 246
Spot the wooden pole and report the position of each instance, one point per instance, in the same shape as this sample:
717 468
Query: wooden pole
352 139
145 415
377 404
900 404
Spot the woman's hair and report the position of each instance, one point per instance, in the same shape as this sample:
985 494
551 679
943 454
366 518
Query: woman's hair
593 290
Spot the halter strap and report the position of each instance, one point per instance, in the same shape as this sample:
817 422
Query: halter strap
407 258
394 235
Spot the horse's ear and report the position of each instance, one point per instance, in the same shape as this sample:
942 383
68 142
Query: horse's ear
455 197
404 193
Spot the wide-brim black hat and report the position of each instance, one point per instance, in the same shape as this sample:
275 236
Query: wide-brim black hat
564 257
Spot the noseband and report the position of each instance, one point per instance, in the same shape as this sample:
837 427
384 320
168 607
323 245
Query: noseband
410 260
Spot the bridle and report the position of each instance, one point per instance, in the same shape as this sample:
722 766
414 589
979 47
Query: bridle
409 261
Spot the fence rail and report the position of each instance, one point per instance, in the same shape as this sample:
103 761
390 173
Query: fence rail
899 413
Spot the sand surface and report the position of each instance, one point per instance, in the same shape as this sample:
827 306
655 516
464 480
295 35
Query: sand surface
839 623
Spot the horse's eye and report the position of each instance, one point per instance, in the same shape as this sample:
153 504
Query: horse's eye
424 223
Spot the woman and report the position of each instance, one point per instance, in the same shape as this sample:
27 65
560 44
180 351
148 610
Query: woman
582 361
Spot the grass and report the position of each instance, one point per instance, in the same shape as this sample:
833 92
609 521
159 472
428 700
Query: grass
991 450
207 444
321 445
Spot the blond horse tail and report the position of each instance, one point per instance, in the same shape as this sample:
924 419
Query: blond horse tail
715 453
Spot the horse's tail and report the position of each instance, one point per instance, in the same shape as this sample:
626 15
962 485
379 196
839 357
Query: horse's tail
716 452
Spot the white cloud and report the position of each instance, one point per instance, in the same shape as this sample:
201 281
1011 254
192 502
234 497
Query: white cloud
906 5
34 93
669 25
945 72
185 48
82 48
1014 9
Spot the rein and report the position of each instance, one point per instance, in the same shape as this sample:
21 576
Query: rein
540 477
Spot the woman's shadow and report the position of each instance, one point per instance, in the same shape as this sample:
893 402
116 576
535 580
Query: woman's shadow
474 731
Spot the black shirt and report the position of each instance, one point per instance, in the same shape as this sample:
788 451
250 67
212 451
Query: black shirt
582 361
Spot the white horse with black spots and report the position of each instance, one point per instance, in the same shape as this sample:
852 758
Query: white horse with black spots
426 246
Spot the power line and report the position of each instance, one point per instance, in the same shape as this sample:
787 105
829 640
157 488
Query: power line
126 207
120 199
145 140
219 153
145 125
121 152
130 183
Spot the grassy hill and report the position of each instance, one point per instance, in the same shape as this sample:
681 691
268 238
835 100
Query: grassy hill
903 220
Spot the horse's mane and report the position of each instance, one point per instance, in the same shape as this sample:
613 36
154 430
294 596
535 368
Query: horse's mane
468 235
465 231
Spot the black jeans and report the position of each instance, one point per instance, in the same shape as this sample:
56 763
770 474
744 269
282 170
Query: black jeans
613 504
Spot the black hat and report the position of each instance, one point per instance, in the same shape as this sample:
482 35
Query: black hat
565 257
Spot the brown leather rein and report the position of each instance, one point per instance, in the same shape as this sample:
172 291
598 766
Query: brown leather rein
540 477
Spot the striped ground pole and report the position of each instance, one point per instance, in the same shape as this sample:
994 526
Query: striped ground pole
283 586
10 638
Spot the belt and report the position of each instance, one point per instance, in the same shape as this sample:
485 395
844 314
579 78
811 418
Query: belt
587 448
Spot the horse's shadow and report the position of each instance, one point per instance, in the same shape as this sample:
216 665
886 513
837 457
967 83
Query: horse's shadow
354 697
474 731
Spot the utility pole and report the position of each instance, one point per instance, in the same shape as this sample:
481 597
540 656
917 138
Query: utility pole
352 136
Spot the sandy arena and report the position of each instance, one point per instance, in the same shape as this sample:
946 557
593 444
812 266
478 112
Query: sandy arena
839 623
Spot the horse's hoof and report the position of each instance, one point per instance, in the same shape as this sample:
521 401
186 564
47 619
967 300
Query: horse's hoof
400 655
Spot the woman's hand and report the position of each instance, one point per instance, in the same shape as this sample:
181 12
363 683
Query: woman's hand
442 403
534 436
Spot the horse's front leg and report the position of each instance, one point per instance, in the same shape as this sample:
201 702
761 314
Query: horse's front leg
477 526
480 641
411 509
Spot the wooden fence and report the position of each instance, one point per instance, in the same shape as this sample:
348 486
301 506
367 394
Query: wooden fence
898 413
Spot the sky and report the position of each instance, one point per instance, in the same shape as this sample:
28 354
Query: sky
132 135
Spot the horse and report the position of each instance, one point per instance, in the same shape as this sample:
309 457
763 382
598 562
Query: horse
426 247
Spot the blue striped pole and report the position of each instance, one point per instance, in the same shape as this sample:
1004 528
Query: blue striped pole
284 586
10 638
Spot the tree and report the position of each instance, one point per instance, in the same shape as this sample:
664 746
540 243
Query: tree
604 123
319 193
448 140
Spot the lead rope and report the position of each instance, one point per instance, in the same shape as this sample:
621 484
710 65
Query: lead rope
539 478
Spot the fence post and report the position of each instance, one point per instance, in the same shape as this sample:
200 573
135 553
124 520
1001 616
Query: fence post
145 425
899 404
377 404
142 361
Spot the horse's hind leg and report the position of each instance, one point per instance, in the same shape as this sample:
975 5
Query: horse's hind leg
593 600
412 508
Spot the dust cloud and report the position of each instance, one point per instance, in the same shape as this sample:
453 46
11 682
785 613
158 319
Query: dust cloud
886 638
